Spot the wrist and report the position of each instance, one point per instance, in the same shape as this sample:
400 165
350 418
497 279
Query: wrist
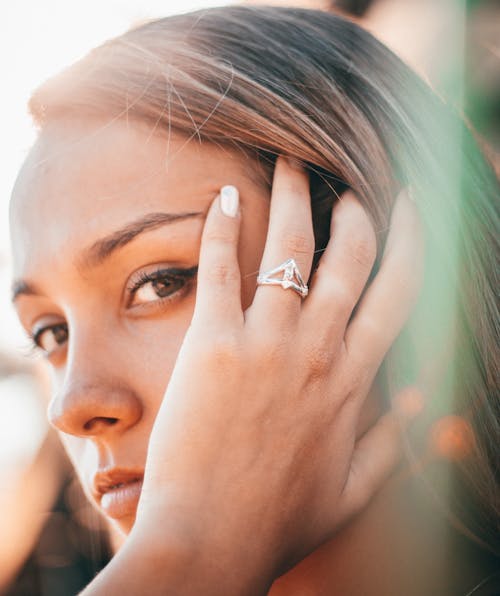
155 564
186 564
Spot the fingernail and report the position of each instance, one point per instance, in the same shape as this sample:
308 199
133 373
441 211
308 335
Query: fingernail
229 200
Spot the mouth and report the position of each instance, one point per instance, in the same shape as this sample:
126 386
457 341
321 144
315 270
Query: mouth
117 491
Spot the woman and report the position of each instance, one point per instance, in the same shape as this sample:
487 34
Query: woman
274 429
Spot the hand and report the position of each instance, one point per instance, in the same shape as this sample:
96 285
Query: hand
253 460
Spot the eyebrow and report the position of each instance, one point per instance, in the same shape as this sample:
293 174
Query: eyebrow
21 287
103 248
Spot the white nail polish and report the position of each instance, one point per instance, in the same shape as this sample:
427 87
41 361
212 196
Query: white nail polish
229 200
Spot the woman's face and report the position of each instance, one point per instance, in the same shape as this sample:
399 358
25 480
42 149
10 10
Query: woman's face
106 228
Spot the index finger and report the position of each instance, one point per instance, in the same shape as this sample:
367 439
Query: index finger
218 293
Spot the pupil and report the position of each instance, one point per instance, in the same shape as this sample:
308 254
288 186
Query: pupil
164 288
60 334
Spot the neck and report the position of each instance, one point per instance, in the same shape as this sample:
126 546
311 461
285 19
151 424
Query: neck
401 544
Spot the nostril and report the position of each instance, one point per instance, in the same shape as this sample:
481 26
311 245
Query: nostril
99 421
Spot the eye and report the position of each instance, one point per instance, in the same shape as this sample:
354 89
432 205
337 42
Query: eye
51 338
159 285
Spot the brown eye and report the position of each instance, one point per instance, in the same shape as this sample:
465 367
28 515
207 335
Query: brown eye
50 338
157 289
160 285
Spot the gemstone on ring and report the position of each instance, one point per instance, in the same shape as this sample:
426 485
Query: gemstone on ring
291 279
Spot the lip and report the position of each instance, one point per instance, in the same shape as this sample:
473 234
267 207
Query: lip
117 491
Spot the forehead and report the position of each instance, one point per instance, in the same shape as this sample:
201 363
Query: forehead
85 178
104 164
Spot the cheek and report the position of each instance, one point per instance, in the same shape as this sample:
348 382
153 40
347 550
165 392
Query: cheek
154 346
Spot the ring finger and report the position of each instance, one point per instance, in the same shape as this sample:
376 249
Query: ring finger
290 236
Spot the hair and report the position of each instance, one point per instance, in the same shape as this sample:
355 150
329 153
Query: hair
354 7
316 87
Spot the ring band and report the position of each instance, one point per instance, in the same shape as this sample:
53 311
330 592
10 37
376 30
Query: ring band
291 278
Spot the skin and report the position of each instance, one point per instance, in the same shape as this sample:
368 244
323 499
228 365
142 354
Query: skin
122 182
110 376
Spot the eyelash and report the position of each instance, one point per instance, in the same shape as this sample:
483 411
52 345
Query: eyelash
170 274
31 349
34 338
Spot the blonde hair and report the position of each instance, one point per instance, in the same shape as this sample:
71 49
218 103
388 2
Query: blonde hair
317 87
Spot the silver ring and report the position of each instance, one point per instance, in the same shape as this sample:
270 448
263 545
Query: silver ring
291 278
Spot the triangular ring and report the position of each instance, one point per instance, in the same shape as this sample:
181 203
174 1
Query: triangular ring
292 279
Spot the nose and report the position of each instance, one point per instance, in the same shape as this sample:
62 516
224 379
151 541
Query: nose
95 397
94 409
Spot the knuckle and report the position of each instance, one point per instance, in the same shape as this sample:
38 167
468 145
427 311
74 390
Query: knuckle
271 349
342 294
298 242
359 381
221 274
405 287
224 351
218 236
410 282
348 373
363 250
319 360
403 279
294 185
361 495
371 327
345 389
